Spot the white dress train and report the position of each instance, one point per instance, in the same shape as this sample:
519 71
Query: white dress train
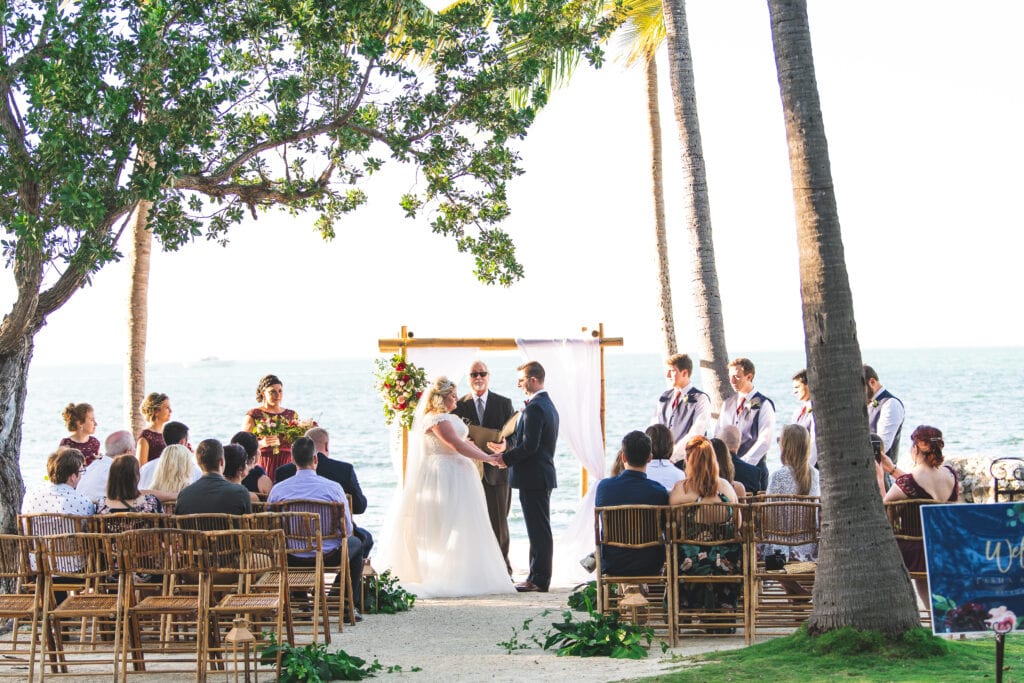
438 540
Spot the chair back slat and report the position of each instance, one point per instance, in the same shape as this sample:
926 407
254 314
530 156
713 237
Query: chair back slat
786 522
55 524
301 529
630 526
905 517
208 521
164 552
706 523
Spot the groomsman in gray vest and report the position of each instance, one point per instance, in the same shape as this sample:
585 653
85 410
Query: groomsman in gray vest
487 409
684 409
803 415
885 413
751 412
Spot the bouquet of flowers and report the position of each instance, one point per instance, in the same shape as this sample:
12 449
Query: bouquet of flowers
400 385
286 430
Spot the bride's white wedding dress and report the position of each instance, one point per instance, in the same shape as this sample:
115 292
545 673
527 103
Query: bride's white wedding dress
438 540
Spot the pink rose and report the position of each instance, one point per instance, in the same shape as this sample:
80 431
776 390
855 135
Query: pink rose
1001 620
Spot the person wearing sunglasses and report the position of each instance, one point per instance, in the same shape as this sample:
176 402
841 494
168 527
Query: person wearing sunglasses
487 409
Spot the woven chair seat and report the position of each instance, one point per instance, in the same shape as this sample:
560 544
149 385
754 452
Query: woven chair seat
16 605
242 603
86 605
167 603
296 579
801 567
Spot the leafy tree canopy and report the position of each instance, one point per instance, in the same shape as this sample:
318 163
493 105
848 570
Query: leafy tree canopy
212 109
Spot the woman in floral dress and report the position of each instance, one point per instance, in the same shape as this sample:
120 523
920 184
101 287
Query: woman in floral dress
703 485
123 493
266 422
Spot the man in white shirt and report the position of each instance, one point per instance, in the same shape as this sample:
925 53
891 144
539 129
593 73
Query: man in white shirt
93 484
751 412
684 409
803 415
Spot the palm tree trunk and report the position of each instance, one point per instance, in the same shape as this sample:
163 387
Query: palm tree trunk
861 581
668 325
138 318
707 300
14 364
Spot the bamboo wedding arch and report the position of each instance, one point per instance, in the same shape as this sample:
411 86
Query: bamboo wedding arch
406 340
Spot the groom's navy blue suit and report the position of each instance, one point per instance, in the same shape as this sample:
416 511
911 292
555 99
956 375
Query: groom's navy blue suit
531 462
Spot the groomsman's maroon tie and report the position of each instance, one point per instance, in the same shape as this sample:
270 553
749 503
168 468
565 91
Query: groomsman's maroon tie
739 408
675 401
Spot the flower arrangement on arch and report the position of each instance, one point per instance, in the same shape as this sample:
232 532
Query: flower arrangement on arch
286 430
400 385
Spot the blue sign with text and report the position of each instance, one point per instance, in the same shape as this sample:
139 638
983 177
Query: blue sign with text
975 559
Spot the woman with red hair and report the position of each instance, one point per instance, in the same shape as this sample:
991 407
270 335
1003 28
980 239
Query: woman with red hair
929 479
704 485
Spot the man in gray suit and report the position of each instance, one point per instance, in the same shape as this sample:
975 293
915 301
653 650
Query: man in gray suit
487 409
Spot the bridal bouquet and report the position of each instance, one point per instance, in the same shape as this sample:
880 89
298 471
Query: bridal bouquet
287 430
400 385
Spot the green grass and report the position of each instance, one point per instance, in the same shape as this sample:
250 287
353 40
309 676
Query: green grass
848 655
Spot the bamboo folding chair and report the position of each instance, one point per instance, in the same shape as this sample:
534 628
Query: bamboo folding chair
640 598
113 525
781 599
302 534
176 557
247 555
78 565
19 605
905 519
713 529
333 527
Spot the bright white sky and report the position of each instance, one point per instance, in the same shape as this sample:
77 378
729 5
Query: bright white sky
923 106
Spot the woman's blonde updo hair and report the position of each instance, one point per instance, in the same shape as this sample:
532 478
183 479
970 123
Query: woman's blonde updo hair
441 389
152 404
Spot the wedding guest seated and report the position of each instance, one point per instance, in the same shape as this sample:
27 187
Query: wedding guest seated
174 433
212 493
704 485
335 470
726 469
927 478
306 484
743 472
236 466
156 408
256 480
660 468
632 487
80 420
64 469
175 470
123 493
795 477
94 482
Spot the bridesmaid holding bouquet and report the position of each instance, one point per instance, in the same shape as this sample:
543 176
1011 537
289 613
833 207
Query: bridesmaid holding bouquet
271 422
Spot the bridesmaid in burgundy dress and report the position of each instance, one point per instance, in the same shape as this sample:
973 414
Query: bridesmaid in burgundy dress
157 410
274 450
81 422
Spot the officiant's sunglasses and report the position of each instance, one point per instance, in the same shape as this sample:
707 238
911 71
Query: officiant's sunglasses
478 374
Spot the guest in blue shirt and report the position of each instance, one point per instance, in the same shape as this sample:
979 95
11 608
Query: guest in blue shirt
308 485
632 487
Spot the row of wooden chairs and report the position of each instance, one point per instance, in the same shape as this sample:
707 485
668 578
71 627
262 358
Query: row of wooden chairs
150 590
303 540
686 596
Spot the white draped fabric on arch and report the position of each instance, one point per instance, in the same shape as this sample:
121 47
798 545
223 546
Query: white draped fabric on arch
573 377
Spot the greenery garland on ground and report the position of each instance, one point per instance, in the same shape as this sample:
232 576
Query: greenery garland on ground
313 663
600 635
385 596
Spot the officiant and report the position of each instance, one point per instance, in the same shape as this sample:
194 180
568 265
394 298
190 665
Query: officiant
486 409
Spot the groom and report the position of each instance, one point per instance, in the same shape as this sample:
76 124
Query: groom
532 464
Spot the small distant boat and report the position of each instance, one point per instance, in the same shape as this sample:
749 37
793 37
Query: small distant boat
209 362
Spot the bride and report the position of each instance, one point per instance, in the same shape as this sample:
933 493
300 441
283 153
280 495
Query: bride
438 540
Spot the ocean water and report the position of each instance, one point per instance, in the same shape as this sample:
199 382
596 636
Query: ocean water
956 390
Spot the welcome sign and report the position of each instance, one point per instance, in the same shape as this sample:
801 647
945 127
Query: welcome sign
975 559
